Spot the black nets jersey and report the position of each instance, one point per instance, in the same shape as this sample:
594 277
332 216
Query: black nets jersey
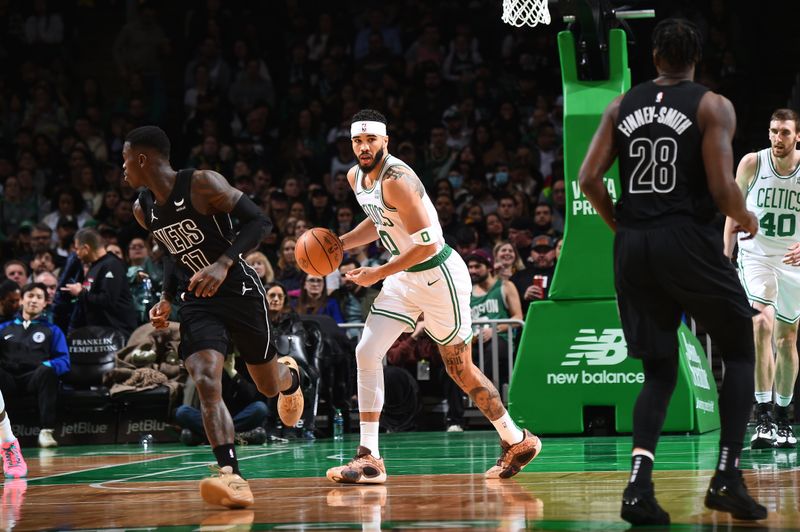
660 156
194 240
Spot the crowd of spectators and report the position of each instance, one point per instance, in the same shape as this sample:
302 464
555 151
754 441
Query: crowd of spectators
263 94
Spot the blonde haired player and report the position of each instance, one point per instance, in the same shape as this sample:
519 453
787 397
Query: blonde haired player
423 276
770 181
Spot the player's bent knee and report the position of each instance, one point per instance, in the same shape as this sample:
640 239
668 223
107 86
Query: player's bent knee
762 322
208 386
368 356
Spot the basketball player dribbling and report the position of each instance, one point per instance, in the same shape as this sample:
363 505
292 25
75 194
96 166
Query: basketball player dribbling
673 139
423 276
223 303
767 268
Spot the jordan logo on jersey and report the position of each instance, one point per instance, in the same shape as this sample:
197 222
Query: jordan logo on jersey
180 236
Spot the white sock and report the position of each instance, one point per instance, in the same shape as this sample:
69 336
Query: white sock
763 397
6 434
369 436
783 400
508 430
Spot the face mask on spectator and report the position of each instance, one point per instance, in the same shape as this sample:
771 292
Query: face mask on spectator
456 180
500 178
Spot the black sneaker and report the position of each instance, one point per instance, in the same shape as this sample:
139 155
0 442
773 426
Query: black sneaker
190 438
728 493
256 436
640 507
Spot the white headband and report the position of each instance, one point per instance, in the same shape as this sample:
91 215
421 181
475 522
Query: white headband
367 128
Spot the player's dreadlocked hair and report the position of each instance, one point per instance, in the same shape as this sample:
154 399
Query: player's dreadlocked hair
150 137
677 41
368 115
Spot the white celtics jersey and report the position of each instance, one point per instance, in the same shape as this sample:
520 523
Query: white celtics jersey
393 234
775 200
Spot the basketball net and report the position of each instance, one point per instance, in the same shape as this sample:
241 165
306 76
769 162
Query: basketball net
525 12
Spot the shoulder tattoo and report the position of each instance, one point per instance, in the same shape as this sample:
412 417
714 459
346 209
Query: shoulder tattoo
405 174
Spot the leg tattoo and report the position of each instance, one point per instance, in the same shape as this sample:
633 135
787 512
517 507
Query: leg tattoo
487 399
458 362
456 358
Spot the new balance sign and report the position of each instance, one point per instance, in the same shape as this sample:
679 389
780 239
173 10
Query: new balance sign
592 348
605 349
699 375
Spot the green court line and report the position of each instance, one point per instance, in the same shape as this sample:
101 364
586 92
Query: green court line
471 452
170 472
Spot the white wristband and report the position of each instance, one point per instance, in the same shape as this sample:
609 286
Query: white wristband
426 236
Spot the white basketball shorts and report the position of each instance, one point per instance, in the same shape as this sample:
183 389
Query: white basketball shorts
769 281
440 289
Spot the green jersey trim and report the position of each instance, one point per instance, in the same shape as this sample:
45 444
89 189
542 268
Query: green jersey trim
434 261
775 171
755 177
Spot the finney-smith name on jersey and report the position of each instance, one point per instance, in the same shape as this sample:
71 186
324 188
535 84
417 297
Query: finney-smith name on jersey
647 115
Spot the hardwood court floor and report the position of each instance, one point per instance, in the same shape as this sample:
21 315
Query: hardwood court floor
435 482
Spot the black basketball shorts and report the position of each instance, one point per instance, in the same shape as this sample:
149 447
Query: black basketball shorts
225 321
663 272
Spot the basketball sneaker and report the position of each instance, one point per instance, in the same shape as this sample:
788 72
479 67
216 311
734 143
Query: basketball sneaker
256 436
728 493
290 407
784 436
640 507
764 436
14 465
226 488
189 438
515 457
363 469
46 439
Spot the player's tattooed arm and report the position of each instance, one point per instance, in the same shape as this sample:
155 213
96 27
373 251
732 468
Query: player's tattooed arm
212 194
403 173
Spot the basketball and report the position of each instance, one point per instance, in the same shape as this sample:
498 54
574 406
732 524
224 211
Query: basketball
318 251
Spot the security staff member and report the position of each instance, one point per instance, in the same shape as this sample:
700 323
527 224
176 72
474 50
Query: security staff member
104 296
